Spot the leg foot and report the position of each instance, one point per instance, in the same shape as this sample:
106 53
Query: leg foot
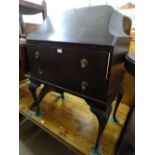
93 151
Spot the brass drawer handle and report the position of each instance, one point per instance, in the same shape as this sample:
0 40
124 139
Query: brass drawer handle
37 53
84 63
84 85
39 70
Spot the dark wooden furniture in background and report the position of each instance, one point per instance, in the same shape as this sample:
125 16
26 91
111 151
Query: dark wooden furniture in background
81 52
22 63
126 143
27 8
130 63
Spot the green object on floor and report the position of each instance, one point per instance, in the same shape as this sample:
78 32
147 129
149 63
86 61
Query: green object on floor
92 151
111 120
34 113
38 114
31 113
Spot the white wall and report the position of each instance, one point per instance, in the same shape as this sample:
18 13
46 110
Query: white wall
59 5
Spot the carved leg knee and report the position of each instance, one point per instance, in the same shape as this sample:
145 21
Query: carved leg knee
41 95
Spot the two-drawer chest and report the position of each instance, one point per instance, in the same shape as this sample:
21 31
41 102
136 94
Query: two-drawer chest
80 51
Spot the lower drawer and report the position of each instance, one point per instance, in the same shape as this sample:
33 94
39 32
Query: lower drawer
93 87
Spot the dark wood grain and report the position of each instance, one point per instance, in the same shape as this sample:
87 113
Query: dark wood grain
22 50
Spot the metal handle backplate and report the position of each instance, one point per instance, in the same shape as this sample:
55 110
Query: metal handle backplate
84 85
37 53
84 63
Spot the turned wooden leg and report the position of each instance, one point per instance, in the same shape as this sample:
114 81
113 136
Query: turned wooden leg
32 87
102 119
118 101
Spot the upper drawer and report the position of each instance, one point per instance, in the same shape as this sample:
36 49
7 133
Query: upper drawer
91 63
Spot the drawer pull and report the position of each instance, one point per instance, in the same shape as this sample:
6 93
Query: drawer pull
84 63
84 85
37 54
59 50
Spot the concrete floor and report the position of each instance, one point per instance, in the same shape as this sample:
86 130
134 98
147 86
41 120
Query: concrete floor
35 141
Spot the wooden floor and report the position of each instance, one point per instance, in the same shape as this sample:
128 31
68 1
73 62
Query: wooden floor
132 42
71 122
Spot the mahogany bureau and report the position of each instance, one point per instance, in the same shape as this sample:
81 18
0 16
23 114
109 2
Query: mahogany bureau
80 51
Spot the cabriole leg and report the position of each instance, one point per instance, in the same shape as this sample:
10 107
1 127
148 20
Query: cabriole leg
102 119
41 95
32 87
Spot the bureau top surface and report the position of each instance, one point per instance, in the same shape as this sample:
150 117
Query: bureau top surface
97 25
